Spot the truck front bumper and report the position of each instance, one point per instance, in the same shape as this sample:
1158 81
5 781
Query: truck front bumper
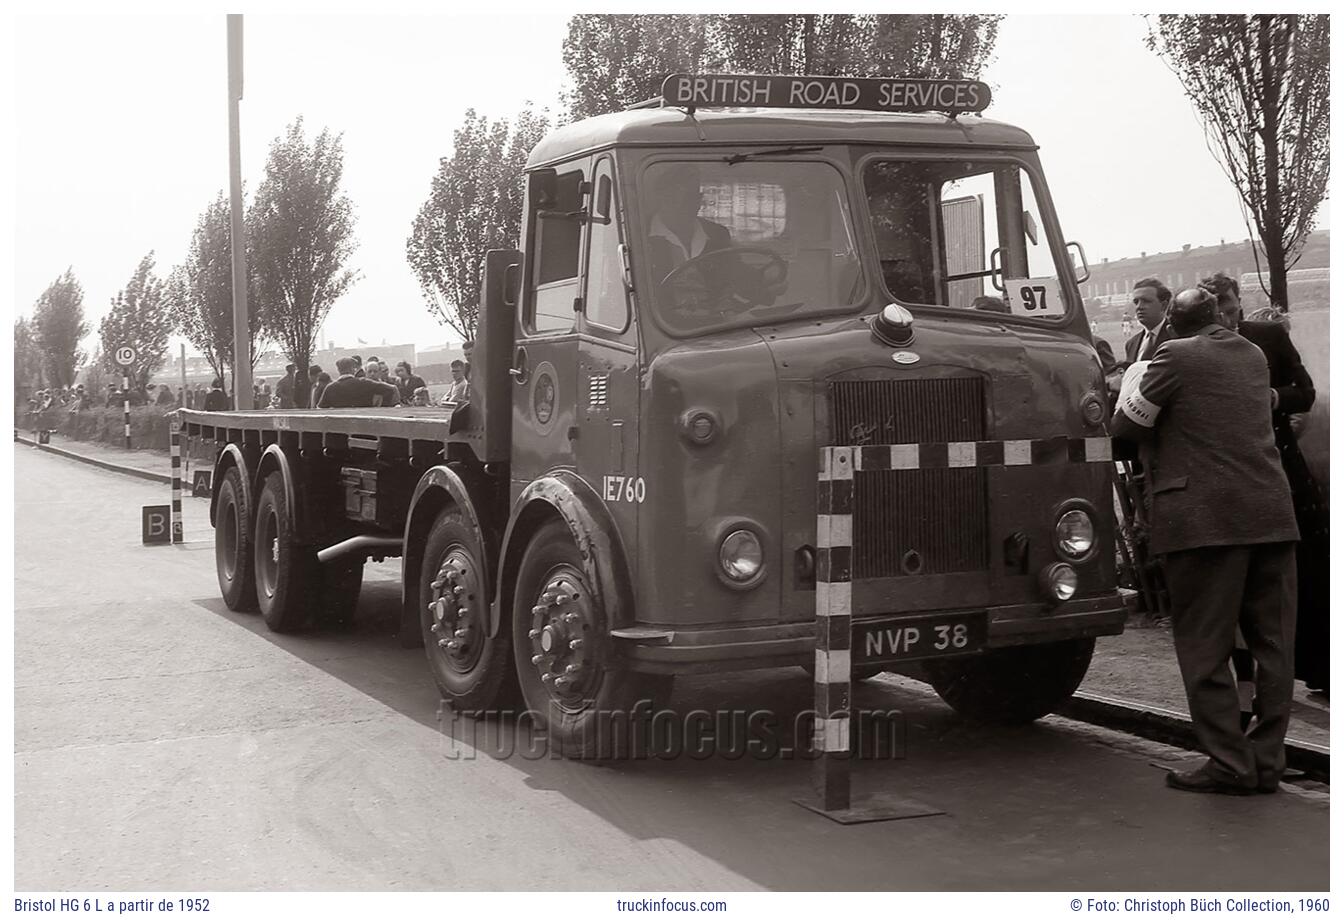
739 648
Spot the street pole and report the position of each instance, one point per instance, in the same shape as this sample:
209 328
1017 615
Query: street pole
182 357
242 356
126 406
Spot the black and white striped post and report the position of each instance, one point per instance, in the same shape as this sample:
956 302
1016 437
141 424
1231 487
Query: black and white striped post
832 687
832 727
126 407
175 449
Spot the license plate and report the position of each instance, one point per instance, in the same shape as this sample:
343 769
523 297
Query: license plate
903 638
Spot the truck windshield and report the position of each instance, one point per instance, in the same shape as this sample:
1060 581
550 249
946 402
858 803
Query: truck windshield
963 234
740 243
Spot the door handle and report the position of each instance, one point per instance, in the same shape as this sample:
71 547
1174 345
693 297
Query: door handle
519 370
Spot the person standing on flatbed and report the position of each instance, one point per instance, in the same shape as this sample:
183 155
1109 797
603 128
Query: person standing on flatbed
350 392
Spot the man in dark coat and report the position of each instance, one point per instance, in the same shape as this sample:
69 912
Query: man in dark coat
1291 391
216 400
284 388
350 392
1222 515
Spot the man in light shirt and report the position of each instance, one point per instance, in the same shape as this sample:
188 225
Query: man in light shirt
459 391
677 232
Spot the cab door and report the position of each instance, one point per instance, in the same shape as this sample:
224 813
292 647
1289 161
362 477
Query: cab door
607 454
545 359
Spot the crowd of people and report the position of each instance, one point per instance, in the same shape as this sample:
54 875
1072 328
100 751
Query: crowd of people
358 383
398 385
1213 404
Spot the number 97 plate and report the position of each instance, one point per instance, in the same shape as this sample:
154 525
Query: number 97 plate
906 638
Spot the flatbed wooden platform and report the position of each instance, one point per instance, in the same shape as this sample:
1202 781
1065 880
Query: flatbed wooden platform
408 423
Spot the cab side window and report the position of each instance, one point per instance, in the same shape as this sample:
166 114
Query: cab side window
605 300
555 271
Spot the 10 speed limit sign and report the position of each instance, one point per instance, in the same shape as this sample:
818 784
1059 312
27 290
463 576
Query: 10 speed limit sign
125 356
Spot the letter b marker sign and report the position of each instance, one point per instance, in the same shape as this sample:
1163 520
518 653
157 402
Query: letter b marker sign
154 526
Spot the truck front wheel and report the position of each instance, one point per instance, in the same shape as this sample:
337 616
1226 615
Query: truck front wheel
233 544
586 707
287 573
469 666
1012 686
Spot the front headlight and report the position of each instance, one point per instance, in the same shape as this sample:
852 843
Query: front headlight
1075 533
1059 581
740 556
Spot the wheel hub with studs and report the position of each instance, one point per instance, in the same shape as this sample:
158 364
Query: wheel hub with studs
456 627
561 633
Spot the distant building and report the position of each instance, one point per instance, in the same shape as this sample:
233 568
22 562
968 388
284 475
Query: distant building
1108 289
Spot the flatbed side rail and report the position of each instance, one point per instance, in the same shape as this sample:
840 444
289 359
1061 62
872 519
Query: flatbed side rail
411 423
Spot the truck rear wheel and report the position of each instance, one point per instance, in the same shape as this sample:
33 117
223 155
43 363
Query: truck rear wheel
1012 686
287 573
470 667
233 544
586 707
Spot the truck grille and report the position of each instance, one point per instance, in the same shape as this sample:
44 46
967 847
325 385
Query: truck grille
915 522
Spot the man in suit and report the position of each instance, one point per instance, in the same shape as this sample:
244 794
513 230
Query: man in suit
350 392
1222 516
1151 300
1292 389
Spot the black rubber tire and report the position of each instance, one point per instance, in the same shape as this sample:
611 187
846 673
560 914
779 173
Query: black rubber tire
1012 686
862 672
338 596
233 544
287 574
607 725
486 681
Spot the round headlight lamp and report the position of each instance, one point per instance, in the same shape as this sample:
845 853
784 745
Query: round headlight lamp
741 556
1059 581
1075 534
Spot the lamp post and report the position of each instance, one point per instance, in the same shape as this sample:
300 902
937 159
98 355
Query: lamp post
242 356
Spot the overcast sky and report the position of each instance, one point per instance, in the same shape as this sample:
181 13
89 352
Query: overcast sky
122 135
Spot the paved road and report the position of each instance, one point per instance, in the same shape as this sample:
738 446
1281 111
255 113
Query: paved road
163 742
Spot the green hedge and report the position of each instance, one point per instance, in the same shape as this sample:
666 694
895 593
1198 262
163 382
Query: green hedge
149 425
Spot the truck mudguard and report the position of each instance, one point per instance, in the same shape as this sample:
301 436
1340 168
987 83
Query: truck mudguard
594 531
231 455
439 486
273 458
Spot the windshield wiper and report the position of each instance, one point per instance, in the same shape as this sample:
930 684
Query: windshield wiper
771 152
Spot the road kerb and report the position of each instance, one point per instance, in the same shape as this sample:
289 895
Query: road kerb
1174 728
93 461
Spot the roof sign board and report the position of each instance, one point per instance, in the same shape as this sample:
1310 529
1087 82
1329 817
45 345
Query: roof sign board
881 94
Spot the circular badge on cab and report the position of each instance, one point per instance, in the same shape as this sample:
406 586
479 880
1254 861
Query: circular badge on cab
544 392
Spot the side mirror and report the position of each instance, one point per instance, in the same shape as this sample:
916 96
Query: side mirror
1080 265
541 189
602 203
1029 228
